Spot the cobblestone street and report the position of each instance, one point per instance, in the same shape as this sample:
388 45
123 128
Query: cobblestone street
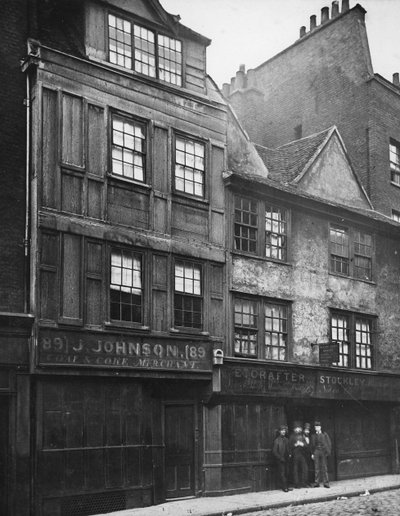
386 503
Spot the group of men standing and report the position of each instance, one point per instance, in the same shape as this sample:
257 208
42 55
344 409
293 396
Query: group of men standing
302 456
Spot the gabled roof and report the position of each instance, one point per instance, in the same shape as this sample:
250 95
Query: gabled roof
288 162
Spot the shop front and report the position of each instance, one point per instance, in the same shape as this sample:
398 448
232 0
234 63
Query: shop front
357 409
119 420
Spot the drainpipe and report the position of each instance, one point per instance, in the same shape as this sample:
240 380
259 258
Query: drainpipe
27 194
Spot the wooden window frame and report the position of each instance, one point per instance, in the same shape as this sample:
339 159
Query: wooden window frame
394 165
160 71
194 139
354 353
354 255
261 238
260 327
187 295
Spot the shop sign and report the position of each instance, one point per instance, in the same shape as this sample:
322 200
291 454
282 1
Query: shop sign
116 351
328 353
298 382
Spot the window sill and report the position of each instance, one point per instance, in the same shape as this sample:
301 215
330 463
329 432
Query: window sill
118 325
190 200
243 254
128 182
343 276
189 331
397 185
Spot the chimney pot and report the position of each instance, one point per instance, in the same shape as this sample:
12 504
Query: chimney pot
335 8
242 68
396 80
239 81
324 14
251 78
313 22
233 83
226 89
345 5
302 31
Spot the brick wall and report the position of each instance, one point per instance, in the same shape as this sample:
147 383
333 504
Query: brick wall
13 28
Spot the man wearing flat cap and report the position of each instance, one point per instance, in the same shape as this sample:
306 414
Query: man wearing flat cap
320 449
280 451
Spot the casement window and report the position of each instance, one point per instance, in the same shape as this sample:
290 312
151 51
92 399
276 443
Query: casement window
126 286
353 334
394 157
128 148
350 252
260 329
188 295
396 215
261 228
145 51
189 174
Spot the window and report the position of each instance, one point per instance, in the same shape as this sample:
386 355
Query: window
128 151
144 50
126 292
351 253
249 234
394 157
260 329
275 232
189 166
188 297
396 215
353 334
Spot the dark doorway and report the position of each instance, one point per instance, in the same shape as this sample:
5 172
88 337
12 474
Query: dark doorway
4 446
179 450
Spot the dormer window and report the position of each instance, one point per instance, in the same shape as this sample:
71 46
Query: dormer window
135 47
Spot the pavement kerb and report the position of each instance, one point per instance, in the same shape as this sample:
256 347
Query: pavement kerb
304 501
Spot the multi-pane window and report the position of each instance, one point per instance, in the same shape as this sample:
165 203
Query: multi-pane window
170 60
246 224
353 334
246 327
351 252
128 148
126 291
189 166
275 336
144 50
260 329
188 297
394 156
396 215
275 232
120 41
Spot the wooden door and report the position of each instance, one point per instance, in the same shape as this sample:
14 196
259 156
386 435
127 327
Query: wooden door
179 450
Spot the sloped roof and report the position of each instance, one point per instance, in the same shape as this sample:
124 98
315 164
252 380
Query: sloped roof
287 162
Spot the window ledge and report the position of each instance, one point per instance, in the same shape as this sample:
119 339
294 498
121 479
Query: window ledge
128 182
126 326
352 278
397 185
188 331
243 254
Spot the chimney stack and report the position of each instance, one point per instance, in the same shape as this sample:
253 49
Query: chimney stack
335 8
324 14
302 31
345 5
251 78
226 89
396 81
239 82
313 22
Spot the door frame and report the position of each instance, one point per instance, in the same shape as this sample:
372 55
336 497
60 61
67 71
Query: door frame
196 438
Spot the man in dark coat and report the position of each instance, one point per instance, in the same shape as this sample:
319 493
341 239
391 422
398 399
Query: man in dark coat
280 451
320 449
297 449
307 450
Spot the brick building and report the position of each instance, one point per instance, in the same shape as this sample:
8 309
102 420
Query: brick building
326 78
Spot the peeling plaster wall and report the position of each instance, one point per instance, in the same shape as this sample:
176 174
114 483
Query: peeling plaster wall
306 282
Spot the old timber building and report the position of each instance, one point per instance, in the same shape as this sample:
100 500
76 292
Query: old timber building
173 292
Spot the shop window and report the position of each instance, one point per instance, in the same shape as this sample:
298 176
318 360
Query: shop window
188 296
353 335
249 234
189 166
351 253
261 328
394 157
126 290
133 46
128 148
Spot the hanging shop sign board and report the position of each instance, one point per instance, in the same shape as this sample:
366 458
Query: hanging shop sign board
328 353
86 349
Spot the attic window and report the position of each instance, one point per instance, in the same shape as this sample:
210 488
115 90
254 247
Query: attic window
144 50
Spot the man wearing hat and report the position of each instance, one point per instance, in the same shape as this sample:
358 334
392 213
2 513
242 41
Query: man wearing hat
297 448
320 450
280 451
307 450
